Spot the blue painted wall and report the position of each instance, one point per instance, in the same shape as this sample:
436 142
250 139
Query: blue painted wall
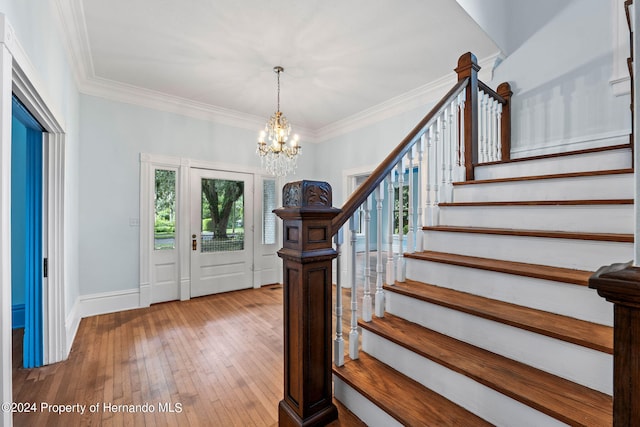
18 211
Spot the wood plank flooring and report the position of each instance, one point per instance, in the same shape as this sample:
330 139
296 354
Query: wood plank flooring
213 361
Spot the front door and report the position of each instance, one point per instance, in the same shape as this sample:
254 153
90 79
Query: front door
221 231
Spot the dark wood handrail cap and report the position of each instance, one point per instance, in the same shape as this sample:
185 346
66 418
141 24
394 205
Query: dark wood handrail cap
618 283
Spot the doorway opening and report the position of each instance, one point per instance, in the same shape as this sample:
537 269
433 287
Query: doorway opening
27 261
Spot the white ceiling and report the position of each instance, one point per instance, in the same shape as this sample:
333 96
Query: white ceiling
341 57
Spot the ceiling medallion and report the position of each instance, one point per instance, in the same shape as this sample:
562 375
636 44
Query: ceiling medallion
278 157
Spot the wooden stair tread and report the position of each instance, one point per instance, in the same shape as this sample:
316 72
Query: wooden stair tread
563 154
605 237
558 274
564 400
543 203
404 399
576 331
548 176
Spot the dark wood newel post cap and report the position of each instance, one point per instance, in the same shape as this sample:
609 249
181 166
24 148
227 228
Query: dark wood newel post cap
299 194
466 64
618 283
504 90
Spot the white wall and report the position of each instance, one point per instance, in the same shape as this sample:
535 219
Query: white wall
560 78
114 134
562 98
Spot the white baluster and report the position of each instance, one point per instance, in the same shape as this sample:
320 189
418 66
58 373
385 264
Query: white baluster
436 163
411 245
487 125
338 347
451 149
400 264
379 299
482 124
419 231
428 207
444 144
390 264
494 129
366 299
463 175
500 131
353 334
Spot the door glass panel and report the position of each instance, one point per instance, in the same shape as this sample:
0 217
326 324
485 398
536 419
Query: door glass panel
164 232
269 219
222 215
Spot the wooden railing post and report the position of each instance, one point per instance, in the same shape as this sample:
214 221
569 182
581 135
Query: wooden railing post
468 67
504 90
620 284
307 256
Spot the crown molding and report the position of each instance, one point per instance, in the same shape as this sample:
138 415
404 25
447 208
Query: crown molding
73 25
415 98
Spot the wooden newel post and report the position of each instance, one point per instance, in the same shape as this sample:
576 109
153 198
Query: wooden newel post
307 256
620 284
468 67
504 90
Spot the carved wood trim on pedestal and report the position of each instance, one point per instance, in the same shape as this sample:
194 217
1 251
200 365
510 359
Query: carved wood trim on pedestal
307 256
620 284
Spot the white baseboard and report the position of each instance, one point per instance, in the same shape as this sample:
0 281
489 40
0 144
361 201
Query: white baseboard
573 144
72 323
145 294
109 302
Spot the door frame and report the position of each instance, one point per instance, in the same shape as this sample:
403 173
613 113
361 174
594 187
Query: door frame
150 162
18 76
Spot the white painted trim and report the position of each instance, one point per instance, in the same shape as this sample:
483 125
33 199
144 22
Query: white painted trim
606 139
183 236
72 324
182 166
6 375
109 302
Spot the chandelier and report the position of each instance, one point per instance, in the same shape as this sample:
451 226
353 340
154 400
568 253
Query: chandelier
278 157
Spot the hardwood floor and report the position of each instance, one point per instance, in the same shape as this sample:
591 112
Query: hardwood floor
210 361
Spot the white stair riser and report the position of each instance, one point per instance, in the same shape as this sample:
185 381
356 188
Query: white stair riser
460 389
618 186
605 160
364 409
570 253
581 218
555 297
588 367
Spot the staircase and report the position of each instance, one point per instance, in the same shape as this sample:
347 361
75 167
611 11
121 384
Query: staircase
494 323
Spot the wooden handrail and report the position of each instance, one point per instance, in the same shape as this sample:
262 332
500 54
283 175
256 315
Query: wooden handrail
387 165
492 93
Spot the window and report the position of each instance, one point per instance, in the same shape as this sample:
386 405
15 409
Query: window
269 219
164 231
